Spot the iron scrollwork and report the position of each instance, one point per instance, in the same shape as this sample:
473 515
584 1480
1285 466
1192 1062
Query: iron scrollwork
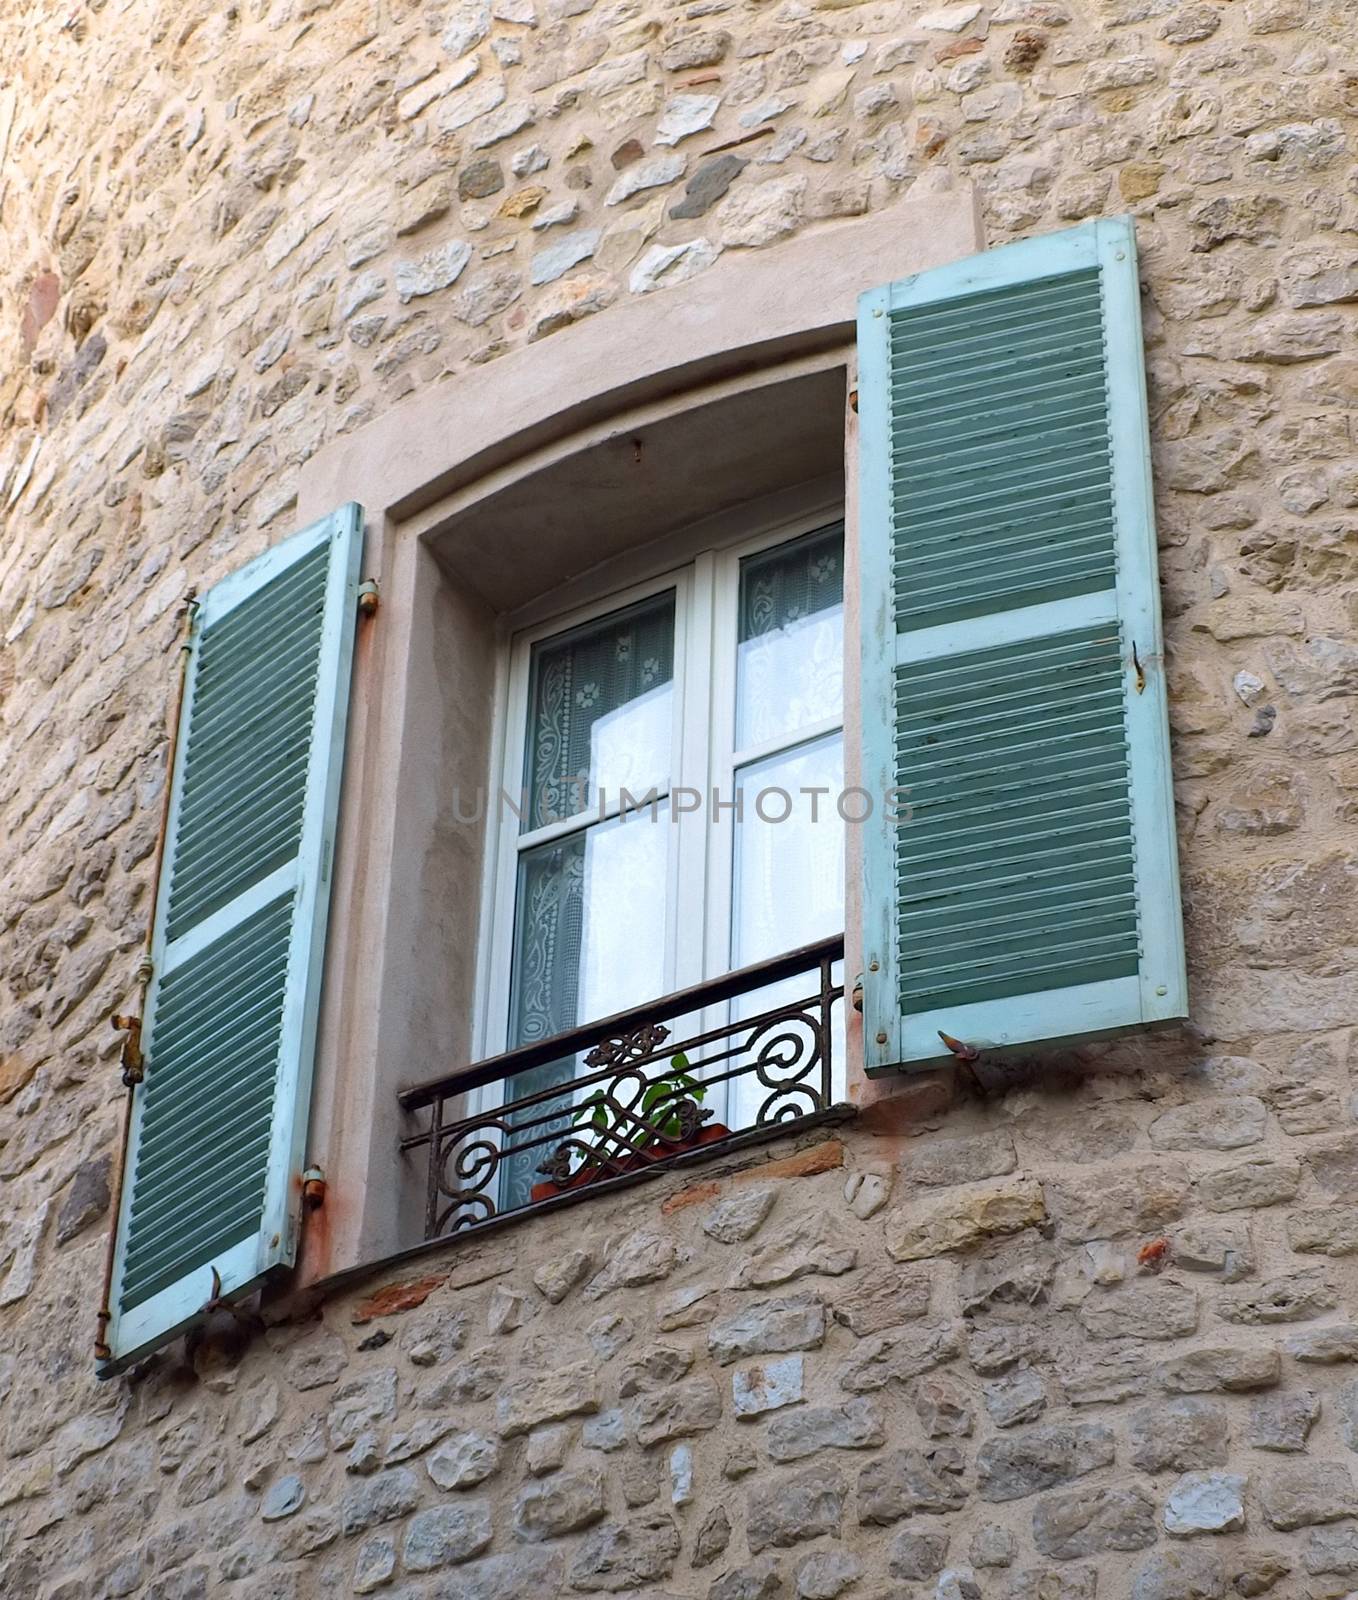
638 1104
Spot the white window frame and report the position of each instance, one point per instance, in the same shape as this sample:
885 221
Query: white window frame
706 581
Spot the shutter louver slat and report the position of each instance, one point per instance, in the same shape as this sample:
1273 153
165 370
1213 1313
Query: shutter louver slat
219 1120
1029 891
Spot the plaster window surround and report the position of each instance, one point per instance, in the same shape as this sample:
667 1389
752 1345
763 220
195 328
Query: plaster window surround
596 461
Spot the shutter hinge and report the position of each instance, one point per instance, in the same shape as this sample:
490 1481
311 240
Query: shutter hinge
367 597
313 1188
853 401
134 1067
1140 670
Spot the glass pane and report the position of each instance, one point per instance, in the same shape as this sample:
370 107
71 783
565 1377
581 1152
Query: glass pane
789 875
788 886
600 711
790 660
589 940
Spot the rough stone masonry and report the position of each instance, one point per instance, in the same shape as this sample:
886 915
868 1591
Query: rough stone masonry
1091 1336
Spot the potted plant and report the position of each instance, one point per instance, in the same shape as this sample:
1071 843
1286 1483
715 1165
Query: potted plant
607 1140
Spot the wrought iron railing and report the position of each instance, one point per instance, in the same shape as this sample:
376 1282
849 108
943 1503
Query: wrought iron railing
639 1102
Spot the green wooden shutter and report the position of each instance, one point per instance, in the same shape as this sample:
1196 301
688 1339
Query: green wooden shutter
1027 888
219 1122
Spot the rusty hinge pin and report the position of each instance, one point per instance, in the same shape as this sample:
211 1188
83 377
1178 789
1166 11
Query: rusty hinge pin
134 1067
368 599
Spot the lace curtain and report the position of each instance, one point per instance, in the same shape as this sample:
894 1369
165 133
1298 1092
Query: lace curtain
600 716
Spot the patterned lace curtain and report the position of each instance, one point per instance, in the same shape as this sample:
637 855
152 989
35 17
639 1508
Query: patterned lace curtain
794 592
600 717
580 684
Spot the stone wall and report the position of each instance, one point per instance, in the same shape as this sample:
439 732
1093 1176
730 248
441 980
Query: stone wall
229 233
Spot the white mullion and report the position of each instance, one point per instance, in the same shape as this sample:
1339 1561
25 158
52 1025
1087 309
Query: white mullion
688 835
691 832
691 644
502 849
719 871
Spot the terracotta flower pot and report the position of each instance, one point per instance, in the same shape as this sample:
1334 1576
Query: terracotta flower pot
596 1173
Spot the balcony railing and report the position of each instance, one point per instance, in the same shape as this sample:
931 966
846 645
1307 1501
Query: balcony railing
539 1126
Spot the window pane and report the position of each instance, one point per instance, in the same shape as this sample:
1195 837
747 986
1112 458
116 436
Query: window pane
788 890
600 711
589 940
789 875
790 662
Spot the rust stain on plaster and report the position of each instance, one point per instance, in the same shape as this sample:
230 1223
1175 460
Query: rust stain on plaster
394 1297
694 1195
823 1157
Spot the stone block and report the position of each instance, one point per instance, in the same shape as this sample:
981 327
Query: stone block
1211 1124
1180 1575
963 1220
1037 1459
1282 1422
385 1497
784 1510
1300 1494
1109 1203
1221 1368
917 1555
1206 1502
902 1483
758 1580
1087 1522
653 1368
1325 1346
768 1327
943 1162
1145 1309
548 1395
826 1574
511 1576
767 1386
359 1403
634 1554
1015 1398
463 1461
1014 1272
1294 1298
641 1258
898 1356
1179 1436
740 1216
443 1535
877 1298
856 1425
810 1247
1250 1185
560 1503
693 1406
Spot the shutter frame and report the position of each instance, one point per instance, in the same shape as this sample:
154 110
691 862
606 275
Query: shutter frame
1157 992
305 875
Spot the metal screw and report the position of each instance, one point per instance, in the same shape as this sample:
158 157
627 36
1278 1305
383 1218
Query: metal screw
881 1038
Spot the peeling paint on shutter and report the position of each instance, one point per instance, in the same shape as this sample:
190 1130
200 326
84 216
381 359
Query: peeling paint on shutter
1013 684
219 1121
